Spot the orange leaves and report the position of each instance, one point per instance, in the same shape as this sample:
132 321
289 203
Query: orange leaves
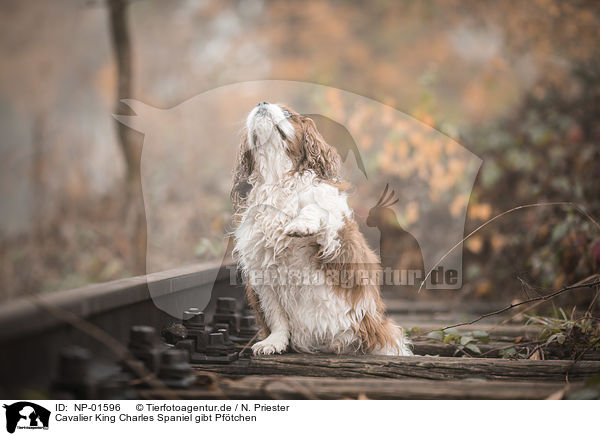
458 204
483 288
105 82
474 244
358 118
413 150
481 212
498 242
411 212
335 103
476 99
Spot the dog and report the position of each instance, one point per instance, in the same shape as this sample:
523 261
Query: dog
308 269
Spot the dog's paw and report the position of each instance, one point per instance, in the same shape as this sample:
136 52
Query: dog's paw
300 228
273 344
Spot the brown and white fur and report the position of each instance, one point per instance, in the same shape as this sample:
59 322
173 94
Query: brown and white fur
294 222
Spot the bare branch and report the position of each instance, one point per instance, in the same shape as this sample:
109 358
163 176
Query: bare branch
525 206
531 300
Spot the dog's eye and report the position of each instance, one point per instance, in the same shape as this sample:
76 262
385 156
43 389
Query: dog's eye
287 114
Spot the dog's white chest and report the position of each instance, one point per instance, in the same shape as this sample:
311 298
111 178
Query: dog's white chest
319 318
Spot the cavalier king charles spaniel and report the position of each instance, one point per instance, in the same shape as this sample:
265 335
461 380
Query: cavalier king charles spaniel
309 273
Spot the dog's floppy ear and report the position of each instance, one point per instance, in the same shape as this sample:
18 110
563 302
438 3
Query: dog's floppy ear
316 153
243 169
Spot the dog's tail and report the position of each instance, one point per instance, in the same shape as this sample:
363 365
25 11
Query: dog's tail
357 268
395 343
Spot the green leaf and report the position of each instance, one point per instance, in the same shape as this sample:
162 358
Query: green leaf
464 340
413 331
474 348
451 331
438 335
451 339
508 352
563 314
482 336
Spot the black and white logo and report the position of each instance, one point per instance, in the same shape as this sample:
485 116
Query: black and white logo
26 415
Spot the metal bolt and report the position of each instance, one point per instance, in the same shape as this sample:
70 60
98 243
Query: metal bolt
216 339
142 336
195 329
173 356
221 326
248 327
225 313
217 345
194 318
74 379
194 310
175 369
226 339
226 305
144 346
74 365
114 387
248 321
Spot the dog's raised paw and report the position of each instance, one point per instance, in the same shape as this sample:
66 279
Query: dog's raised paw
300 229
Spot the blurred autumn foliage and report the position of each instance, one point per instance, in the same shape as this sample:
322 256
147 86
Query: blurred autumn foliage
546 150
517 83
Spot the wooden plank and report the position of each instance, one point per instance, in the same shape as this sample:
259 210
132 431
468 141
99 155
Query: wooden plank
432 368
261 387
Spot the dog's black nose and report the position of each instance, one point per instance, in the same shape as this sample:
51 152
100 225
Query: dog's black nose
262 103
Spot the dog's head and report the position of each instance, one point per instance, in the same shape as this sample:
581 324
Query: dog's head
277 140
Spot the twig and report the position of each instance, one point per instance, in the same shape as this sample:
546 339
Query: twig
510 346
531 300
463 351
591 306
521 312
588 348
248 343
525 206
580 356
536 348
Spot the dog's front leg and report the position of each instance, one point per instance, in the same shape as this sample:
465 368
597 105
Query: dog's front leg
308 222
276 320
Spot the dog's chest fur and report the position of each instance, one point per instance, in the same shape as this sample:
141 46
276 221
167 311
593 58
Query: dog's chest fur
319 318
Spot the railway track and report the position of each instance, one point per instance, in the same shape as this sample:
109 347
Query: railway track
37 358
